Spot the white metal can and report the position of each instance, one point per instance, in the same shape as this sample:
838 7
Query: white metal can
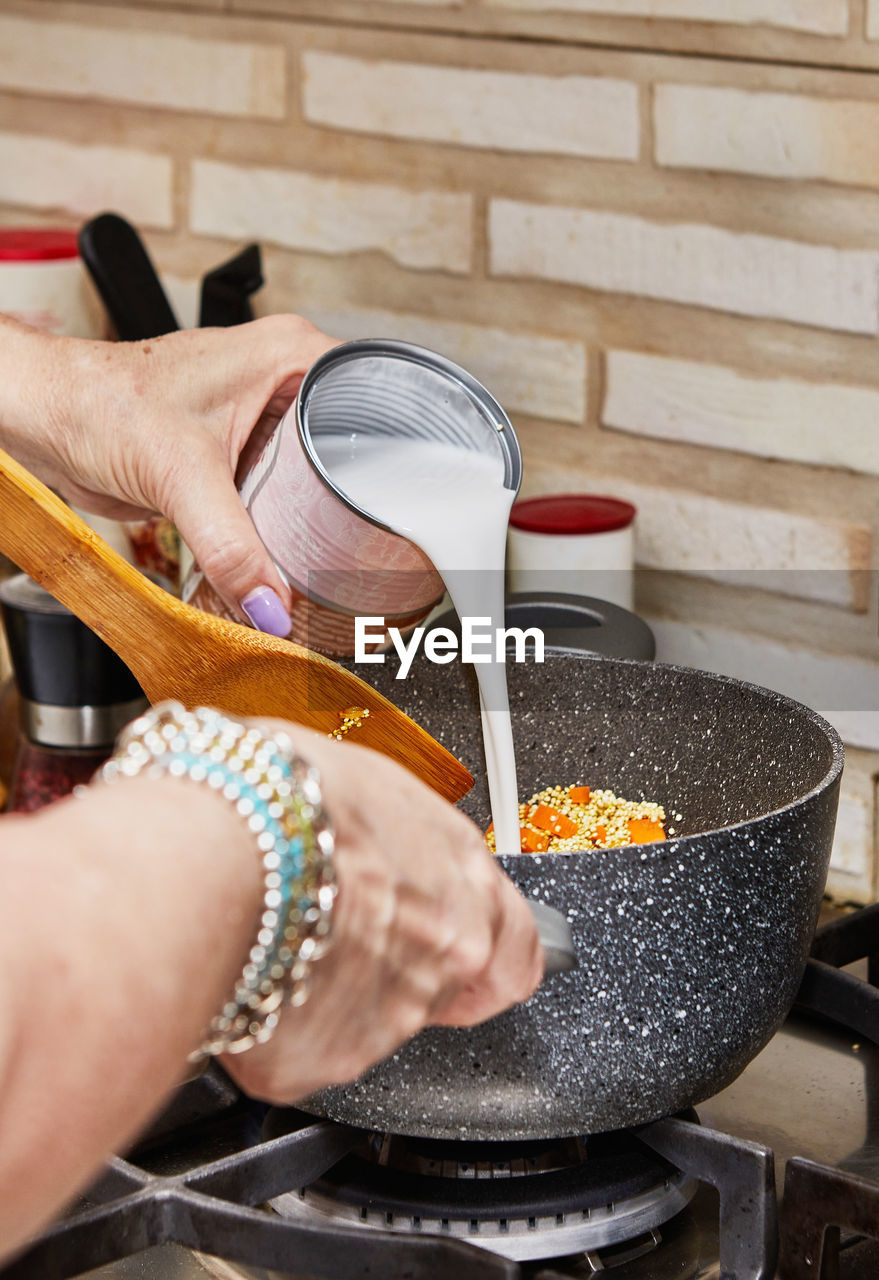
339 560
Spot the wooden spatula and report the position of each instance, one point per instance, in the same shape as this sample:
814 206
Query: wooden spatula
179 652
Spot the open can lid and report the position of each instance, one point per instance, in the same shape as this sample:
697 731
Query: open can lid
571 513
37 244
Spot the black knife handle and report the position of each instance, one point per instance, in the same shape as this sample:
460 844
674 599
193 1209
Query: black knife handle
226 290
125 278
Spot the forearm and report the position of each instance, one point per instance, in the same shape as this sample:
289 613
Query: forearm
124 920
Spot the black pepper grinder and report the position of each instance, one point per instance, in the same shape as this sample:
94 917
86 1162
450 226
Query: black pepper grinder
75 695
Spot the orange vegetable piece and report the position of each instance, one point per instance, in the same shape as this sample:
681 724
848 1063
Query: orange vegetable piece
533 841
549 819
601 834
489 830
581 795
645 830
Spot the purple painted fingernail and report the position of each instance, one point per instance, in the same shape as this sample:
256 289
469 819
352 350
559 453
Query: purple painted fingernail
264 609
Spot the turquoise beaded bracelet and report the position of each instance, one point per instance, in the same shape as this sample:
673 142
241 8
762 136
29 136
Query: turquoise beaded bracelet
278 795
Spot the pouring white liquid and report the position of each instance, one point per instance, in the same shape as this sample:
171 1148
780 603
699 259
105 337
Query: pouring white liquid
451 502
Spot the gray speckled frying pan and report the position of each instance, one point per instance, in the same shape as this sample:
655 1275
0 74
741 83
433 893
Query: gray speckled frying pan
690 951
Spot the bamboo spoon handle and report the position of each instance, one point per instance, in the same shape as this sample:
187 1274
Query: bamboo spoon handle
179 652
50 542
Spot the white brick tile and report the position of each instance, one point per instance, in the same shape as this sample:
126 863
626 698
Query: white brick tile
86 180
184 295
527 372
805 556
510 111
148 67
781 135
823 17
852 869
422 229
822 423
845 690
707 266
854 825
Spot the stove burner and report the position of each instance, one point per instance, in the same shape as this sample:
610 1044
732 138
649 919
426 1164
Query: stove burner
439 1158
520 1200
214 1191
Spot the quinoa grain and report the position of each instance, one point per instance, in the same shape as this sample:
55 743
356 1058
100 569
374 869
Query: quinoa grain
602 822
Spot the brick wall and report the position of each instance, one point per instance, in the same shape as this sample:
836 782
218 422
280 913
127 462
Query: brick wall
665 266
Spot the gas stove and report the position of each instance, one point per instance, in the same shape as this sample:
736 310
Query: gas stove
222 1187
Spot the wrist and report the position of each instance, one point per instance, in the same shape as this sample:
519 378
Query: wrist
275 795
176 883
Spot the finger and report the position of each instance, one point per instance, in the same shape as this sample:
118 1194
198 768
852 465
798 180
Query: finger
213 522
513 972
454 947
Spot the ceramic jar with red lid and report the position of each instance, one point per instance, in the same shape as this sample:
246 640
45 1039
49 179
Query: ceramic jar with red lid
579 543
44 284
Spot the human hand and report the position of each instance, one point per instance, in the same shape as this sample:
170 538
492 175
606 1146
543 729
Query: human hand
128 429
427 929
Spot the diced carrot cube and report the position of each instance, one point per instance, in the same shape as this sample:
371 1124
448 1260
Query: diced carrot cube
542 816
564 827
489 830
581 795
533 841
549 819
645 830
600 834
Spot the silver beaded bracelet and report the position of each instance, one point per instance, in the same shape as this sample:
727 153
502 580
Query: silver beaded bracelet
278 795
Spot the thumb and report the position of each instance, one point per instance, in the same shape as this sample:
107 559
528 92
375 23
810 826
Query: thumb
215 525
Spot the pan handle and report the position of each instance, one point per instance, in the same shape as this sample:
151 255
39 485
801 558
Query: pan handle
555 937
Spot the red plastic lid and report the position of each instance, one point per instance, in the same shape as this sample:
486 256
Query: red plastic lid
36 244
571 513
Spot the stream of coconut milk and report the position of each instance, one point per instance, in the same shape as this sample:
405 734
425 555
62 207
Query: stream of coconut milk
451 502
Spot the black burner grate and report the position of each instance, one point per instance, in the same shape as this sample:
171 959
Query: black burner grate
820 1201
214 1207
211 1208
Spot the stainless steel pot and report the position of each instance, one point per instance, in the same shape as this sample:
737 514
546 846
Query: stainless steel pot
690 950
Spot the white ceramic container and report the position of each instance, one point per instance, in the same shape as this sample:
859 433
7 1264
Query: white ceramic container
44 284
579 543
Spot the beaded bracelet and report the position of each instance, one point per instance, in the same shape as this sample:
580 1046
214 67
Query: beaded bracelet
279 797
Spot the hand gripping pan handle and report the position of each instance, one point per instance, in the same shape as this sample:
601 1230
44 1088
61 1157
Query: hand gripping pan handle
555 937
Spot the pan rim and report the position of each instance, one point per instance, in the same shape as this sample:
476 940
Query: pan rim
830 777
